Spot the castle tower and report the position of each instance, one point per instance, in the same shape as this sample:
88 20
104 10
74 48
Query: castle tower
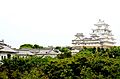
101 36
105 34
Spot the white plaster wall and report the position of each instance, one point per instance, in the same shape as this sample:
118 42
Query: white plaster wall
2 54
48 55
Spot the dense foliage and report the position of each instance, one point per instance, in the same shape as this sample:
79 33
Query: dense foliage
89 63
30 46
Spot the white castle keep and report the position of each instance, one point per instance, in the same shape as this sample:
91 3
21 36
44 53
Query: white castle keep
101 36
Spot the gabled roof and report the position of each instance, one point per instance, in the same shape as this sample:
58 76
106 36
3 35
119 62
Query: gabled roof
24 52
34 50
43 52
7 49
38 52
47 52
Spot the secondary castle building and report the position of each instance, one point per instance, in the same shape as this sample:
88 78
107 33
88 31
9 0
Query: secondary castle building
7 52
101 36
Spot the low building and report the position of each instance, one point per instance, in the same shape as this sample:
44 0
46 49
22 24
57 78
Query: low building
6 51
24 53
37 52
51 53
75 51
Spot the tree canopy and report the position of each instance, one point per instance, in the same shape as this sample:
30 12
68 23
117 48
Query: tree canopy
89 63
30 46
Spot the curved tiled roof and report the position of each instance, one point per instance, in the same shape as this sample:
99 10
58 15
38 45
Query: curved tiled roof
7 49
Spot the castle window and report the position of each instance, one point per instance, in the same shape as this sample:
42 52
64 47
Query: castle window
2 57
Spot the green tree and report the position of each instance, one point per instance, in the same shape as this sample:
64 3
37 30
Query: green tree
66 53
30 46
58 47
26 46
83 65
37 46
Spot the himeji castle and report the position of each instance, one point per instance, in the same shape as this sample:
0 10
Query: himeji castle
101 36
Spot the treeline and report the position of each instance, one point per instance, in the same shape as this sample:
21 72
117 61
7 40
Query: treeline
89 63
30 46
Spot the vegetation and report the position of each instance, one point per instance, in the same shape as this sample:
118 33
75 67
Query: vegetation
66 53
30 46
89 63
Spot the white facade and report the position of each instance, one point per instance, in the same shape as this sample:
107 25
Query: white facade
101 36
6 51
50 53
3 56
75 51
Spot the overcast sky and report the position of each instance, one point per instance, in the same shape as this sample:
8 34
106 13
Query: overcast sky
54 22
